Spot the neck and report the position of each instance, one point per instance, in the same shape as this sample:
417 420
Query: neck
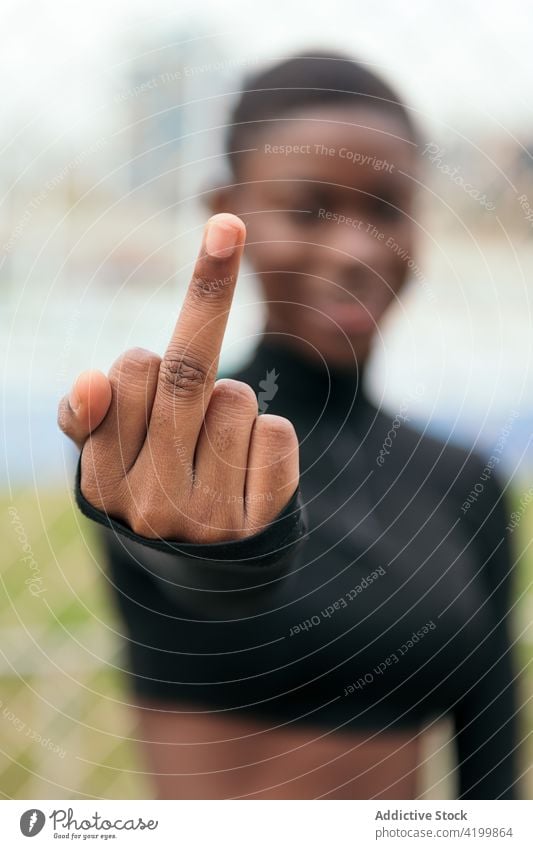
310 383
312 354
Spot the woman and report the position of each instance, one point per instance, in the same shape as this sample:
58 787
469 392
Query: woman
302 587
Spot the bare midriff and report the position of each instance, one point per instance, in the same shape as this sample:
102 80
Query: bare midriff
196 755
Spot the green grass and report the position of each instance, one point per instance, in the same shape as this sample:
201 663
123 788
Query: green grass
58 656
57 662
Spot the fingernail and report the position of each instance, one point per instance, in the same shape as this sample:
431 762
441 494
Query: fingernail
74 401
221 239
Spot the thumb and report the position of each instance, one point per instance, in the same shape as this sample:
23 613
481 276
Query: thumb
85 407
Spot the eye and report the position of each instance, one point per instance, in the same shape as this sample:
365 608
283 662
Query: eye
386 208
315 204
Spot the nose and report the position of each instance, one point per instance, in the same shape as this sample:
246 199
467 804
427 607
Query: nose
351 248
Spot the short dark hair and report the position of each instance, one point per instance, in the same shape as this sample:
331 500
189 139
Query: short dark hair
308 80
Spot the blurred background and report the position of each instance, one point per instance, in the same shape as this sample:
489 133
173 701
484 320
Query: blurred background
111 131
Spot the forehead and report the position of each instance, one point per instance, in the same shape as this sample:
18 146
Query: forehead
340 143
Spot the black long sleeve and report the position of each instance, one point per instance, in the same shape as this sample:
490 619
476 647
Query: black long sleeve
486 717
226 578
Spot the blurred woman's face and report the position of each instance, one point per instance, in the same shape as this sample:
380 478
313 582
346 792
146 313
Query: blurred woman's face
327 197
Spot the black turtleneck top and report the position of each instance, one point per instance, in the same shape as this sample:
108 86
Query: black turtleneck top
378 599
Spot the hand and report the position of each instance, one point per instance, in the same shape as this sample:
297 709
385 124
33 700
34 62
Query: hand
166 448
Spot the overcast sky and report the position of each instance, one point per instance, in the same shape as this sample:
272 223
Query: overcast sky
466 62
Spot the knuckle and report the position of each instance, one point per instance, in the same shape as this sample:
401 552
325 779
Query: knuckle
181 373
91 487
145 513
209 287
97 484
144 524
200 526
277 430
222 437
204 532
135 362
214 516
153 515
276 442
236 392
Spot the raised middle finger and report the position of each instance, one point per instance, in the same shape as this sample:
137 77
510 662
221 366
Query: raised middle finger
189 366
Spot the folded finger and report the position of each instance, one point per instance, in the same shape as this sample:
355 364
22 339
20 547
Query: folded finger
273 470
84 408
219 475
120 437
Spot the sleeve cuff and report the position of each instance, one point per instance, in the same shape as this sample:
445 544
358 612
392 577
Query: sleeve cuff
214 569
